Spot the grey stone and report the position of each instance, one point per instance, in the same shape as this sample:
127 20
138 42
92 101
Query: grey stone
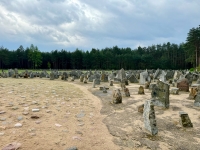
174 91
160 94
149 117
72 148
197 98
52 76
80 115
143 77
93 84
81 78
133 79
2 119
19 118
111 83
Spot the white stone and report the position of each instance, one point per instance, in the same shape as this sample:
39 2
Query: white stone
18 125
35 110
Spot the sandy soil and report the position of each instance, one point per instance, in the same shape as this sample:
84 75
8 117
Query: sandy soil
70 115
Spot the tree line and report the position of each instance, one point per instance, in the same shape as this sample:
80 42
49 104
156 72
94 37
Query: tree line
163 56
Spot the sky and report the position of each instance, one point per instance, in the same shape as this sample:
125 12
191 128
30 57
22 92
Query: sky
87 24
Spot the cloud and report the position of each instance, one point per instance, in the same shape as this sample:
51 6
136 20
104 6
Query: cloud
84 24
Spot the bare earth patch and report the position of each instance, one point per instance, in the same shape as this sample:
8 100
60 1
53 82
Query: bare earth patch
69 115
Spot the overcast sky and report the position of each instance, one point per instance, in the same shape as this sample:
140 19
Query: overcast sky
87 24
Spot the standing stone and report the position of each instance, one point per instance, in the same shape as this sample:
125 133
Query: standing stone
163 76
93 84
133 79
81 78
197 98
143 77
63 77
185 120
193 93
141 108
104 90
122 84
157 73
121 75
31 75
146 86
160 94
141 90
126 91
104 77
72 78
85 80
149 117
183 85
51 76
174 91
126 82
117 97
97 81
111 83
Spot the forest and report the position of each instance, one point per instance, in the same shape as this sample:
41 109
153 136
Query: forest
164 56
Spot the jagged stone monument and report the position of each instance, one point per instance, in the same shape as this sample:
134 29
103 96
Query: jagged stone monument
149 117
197 98
160 94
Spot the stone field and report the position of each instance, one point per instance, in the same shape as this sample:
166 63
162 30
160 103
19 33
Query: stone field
137 110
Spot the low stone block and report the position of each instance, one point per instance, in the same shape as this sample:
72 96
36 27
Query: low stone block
185 120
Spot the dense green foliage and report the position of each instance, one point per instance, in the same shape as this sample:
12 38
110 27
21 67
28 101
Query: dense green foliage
163 56
193 46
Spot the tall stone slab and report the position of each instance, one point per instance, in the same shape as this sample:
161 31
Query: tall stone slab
197 98
143 77
149 117
160 94
121 75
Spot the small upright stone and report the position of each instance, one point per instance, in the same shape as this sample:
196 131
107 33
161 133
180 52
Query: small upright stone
52 76
141 108
193 93
149 117
146 86
141 90
126 91
185 120
111 83
72 78
104 90
117 97
85 80
81 78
